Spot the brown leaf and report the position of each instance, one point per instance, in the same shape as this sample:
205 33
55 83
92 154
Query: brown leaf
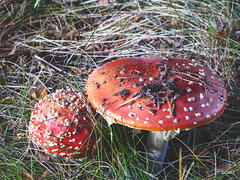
43 157
40 91
26 176
69 35
43 175
221 34
14 48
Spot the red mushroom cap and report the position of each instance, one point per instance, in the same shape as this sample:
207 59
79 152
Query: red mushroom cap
62 126
157 94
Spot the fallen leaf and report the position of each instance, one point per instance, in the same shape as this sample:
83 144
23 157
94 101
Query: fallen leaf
26 176
40 91
69 35
14 48
221 34
43 157
20 135
43 175
5 98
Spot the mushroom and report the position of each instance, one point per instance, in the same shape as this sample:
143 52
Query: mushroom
61 124
161 95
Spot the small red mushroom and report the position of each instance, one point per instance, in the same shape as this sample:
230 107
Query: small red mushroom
161 95
61 124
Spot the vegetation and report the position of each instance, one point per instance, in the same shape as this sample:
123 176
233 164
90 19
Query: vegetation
58 44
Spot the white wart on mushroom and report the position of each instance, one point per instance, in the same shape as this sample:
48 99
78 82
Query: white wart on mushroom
158 93
60 124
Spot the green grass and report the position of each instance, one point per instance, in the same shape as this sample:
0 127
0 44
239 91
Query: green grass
58 44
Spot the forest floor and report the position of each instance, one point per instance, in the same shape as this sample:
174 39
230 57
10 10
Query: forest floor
58 44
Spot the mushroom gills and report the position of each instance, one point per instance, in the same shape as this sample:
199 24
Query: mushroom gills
157 143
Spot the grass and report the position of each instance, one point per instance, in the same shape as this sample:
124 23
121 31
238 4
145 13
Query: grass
59 44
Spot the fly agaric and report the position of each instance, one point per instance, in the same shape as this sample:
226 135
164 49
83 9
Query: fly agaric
61 124
161 95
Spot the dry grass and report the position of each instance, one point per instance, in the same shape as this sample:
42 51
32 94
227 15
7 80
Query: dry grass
59 44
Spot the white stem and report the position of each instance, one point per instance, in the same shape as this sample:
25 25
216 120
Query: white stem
156 149
157 143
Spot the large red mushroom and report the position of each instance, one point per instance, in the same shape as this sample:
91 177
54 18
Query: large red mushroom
161 95
62 124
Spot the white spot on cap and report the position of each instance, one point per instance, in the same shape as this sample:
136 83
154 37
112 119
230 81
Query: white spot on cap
76 121
141 79
160 121
201 96
202 73
62 154
51 144
195 122
210 99
212 77
145 122
123 71
190 99
190 108
187 117
190 82
45 145
151 79
175 120
188 89
49 141
72 140
203 105
185 109
208 116
197 114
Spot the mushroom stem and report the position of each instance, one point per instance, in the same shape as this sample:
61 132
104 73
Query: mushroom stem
157 143
156 149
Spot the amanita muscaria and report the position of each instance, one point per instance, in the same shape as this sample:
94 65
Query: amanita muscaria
61 124
161 95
